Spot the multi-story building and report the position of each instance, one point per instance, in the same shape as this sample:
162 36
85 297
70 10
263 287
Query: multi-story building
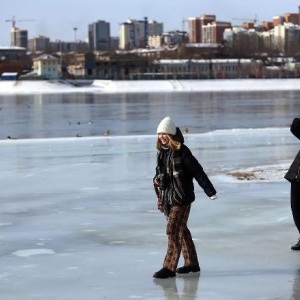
155 41
248 25
291 18
14 59
242 42
212 33
62 46
153 27
212 68
195 27
47 66
173 37
194 30
267 25
39 43
206 19
135 33
287 38
267 41
99 36
277 20
114 42
19 38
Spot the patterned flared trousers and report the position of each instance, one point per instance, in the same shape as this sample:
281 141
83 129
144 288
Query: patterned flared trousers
179 239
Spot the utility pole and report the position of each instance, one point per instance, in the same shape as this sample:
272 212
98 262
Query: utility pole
75 30
75 59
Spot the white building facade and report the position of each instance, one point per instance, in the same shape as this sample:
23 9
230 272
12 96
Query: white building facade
287 38
135 34
47 67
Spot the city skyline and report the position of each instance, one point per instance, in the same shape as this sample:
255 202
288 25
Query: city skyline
57 19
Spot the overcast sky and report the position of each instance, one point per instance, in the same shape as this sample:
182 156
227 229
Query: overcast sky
57 18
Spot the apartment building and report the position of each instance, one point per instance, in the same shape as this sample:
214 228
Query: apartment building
194 30
212 33
173 37
155 41
135 33
62 46
19 38
277 20
242 42
287 38
267 40
267 25
99 36
292 18
206 19
39 43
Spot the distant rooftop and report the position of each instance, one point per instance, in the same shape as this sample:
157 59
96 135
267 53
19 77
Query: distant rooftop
11 48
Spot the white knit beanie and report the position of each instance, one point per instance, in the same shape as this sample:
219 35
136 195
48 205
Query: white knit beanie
166 126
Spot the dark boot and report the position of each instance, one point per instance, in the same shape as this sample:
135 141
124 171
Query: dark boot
296 246
164 273
186 269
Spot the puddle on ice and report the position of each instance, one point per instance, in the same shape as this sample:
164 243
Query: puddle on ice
30 252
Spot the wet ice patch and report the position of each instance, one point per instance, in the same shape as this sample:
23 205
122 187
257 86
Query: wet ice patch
152 211
3 275
72 268
266 173
6 224
118 242
30 252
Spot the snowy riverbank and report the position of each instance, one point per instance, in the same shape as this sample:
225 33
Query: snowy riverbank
111 86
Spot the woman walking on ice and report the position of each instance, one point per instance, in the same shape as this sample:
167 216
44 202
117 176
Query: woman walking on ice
293 175
173 182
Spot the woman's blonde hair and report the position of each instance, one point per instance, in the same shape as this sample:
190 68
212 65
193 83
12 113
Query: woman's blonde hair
172 144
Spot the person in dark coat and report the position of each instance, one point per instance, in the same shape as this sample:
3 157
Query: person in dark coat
173 182
293 177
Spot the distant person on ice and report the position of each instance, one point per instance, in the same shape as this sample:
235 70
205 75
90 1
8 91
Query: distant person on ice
173 182
293 175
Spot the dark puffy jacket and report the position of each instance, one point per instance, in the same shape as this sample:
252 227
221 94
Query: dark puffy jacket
191 169
293 172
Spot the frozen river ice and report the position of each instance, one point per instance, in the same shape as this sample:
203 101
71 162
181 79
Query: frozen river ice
78 216
78 219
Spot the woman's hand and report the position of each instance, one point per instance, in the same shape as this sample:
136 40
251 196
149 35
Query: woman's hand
160 206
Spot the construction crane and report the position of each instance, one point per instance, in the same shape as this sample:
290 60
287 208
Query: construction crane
13 21
254 21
